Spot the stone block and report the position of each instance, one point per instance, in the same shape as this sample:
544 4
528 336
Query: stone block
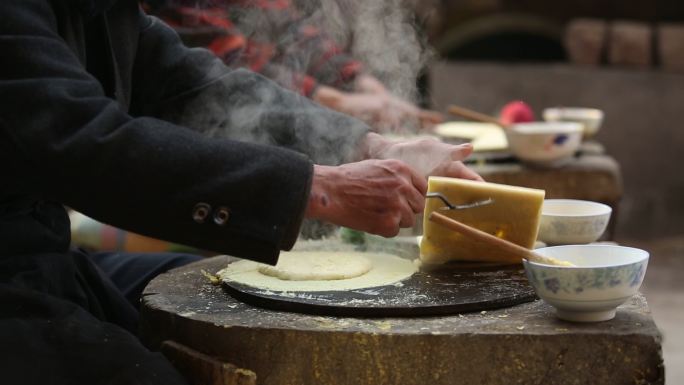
630 44
671 46
585 41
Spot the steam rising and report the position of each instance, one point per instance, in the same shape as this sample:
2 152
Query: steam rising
383 34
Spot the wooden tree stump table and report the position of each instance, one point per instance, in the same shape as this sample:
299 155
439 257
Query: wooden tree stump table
216 339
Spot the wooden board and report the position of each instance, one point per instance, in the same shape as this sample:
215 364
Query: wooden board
450 291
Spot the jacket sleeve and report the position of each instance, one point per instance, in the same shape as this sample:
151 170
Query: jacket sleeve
193 88
62 139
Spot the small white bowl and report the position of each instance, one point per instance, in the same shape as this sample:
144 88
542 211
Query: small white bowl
590 118
604 277
546 144
572 221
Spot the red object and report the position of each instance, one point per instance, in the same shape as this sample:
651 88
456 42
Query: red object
516 112
288 49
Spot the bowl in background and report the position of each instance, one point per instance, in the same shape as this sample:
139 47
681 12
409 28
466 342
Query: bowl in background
545 144
572 221
590 118
604 277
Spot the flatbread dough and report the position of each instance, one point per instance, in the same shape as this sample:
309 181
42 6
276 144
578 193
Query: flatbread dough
483 136
385 269
317 266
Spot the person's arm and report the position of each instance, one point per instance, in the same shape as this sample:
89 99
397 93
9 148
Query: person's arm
236 104
378 108
62 139
296 42
246 106
298 82
212 28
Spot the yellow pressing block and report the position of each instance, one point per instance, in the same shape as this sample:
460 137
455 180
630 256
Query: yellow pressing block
513 215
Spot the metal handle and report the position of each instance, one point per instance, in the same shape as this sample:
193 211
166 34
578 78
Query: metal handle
450 206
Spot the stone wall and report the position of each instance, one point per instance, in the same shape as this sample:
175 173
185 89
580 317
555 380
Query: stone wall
643 128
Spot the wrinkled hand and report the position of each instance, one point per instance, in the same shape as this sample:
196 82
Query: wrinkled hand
425 156
375 196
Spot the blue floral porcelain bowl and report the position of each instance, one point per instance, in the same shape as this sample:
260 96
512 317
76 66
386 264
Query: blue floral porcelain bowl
572 221
604 276
544 144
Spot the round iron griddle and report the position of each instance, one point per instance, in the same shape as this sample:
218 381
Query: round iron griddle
449 291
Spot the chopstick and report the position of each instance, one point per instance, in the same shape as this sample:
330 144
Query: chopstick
502 244
476 116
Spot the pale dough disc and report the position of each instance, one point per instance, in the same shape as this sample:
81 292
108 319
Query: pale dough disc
385 269
317 266
483 136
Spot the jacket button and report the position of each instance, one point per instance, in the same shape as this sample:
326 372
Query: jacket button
200 212
221 215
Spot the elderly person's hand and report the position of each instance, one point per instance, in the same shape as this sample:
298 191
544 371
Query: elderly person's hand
426 156
376 196
383 193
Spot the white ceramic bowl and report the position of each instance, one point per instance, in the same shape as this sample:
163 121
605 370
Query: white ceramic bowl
572 221
604 277
590 118
546 144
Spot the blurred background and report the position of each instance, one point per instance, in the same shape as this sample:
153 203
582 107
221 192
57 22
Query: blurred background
623 57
